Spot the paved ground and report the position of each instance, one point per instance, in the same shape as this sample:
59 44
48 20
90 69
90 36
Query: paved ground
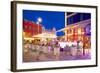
37 57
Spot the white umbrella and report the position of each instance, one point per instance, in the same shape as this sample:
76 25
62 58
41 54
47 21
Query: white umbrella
45 35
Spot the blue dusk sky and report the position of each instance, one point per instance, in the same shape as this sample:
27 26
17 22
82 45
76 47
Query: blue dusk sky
50 19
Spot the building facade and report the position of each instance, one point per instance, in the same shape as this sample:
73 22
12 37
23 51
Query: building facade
30 28
79 28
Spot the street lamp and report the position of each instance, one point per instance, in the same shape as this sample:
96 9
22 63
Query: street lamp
39 20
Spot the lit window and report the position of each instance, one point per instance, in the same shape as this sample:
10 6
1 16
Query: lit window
79 31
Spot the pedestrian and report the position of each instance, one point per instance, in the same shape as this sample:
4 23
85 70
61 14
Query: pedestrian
57 51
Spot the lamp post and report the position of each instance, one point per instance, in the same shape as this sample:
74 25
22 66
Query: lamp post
39 20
